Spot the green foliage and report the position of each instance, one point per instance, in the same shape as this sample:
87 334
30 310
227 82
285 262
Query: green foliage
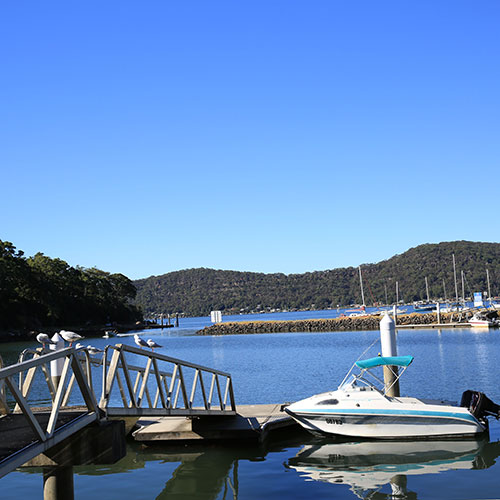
198 291
41 291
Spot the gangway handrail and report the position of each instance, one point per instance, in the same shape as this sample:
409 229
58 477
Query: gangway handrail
170 386
53 432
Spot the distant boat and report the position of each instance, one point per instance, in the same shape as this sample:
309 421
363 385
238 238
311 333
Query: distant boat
483 319
359 309
493 304
108 334
358 314
454 307
424 307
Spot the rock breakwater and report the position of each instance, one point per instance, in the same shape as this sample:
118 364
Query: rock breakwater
319 325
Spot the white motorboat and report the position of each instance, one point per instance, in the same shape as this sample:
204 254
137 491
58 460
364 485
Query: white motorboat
483 320
424 307
494 305
361 408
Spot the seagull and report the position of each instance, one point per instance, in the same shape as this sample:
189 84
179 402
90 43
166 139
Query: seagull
151 343
140 342
43 338
93 350
70 336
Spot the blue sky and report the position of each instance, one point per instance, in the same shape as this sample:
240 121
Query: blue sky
269 136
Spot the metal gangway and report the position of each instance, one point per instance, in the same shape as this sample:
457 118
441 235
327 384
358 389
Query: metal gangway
49 396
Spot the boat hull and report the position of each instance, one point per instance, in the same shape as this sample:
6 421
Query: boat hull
391 424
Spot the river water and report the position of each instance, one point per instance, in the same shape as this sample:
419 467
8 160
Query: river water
276 368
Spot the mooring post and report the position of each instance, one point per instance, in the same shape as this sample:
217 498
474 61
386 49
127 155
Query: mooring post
96 444
58 483
57 365
389 348
399 486
177 319
161 319
438 312
395 314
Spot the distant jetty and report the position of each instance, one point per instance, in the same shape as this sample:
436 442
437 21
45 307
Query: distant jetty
342 324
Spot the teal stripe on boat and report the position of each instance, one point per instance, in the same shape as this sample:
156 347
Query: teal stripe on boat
413 413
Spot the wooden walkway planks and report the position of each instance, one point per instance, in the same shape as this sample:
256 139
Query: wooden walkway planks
253 422
19 443
16 434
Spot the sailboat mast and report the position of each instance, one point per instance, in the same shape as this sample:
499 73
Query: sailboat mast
488 280
444 289
397 292
427 288
463 287
455 276
361 284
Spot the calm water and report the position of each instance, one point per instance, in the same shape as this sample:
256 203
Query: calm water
276 368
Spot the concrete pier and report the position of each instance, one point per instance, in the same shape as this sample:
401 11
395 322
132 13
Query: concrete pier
252 422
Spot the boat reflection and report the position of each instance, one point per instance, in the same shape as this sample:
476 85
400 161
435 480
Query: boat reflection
369 466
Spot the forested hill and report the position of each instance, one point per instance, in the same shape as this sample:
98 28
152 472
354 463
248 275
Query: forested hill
198 291
40 291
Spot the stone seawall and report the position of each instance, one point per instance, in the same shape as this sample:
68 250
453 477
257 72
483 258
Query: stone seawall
319 325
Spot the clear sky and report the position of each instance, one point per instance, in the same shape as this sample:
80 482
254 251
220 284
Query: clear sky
264 135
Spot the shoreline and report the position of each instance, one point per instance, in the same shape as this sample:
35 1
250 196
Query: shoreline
341 324
28 335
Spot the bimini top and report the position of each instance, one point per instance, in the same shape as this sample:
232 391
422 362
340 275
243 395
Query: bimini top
384 360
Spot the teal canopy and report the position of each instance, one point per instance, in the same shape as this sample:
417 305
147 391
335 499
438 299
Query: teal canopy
384 361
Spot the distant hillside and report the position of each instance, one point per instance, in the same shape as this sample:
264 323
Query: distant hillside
198 291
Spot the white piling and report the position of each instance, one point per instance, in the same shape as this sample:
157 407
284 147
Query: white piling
216 316
389 348
438 312
56 366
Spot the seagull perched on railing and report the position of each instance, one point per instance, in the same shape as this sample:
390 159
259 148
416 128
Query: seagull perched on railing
140 342
70 336
151 343
43 338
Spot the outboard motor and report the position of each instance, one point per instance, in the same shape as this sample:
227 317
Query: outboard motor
480 405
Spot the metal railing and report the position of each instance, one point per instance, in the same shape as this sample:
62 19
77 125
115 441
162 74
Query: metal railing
34 394
20 406
165 386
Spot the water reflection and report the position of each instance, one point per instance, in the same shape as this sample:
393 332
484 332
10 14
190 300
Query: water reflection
369 469
369 466
201 472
